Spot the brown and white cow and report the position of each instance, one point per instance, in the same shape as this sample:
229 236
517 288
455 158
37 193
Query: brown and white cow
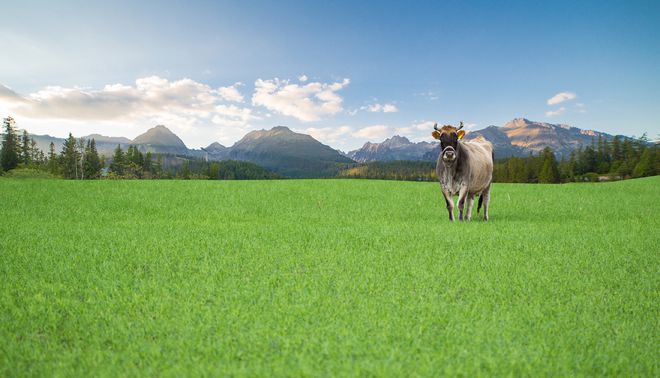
464 168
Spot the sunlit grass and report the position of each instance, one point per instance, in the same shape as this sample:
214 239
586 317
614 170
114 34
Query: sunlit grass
326 277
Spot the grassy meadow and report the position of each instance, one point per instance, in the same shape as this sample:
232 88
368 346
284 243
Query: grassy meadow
326 278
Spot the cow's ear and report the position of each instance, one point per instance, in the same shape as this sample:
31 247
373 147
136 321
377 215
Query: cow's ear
436 134
461 134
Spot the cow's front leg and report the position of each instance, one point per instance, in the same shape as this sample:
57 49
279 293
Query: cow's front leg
449 201
462 197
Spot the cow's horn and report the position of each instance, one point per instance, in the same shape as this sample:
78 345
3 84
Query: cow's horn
435 127
461 126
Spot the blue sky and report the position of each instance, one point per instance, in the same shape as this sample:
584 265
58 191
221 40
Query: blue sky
345 72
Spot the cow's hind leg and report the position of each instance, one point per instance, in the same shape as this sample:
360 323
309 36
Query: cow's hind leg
470 203
486 197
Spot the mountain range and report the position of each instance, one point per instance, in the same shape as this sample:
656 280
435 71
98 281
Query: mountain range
518 137
283 151
279 149
294 154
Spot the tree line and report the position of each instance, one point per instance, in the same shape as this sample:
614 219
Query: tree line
604 159
77 160
402 170
615 159
80 160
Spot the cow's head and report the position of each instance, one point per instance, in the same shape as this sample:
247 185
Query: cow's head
448 136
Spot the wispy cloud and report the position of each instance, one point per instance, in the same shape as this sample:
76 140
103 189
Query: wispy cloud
430 95
150 97
421 130
377 108
8 96
553 113
372 132
328 134
308 102
231 92
303 78
561 97
415 129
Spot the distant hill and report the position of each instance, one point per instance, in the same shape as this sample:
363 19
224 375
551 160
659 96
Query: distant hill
216 151
521 135
278 149
104 145
106 139
395 148
286 152
160 139
518 137
299 155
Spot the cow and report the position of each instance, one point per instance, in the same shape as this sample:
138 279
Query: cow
464 168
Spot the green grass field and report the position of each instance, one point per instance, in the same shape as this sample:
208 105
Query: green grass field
326 277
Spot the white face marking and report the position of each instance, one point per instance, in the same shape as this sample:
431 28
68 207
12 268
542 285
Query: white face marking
448 154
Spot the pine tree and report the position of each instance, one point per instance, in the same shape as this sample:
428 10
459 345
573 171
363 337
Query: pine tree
185 170
37 154
214 171
80 149
117 165
589 160
516 170
567 169
549 172
158 168
25 149
9 155
148 166
69 158
52 165
647 164
92 164
133 162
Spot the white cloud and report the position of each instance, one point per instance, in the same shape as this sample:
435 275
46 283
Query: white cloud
232 116
7 95
150 97
553 113
303 78
416 128
372 132
561 97
390 108
308 102
231 93
376 108
328 134
189 108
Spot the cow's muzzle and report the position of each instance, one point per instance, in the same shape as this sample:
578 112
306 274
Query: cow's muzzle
449 154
